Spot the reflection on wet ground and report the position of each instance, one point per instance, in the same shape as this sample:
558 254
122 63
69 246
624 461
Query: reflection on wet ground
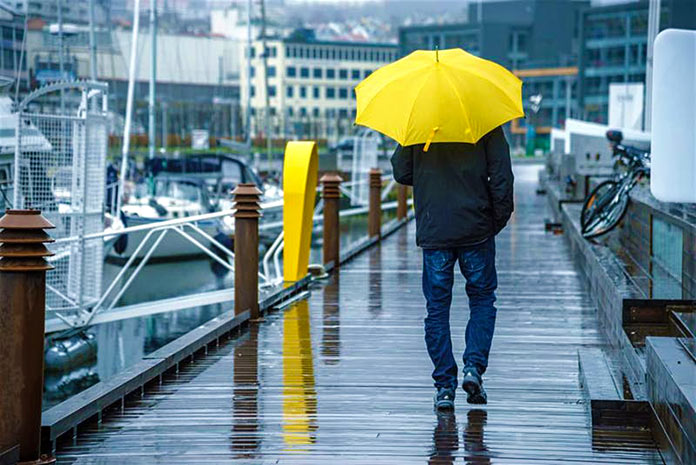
120 344
344 378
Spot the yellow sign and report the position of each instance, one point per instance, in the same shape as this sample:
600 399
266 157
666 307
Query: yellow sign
299 190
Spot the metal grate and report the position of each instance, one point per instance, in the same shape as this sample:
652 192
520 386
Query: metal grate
60 169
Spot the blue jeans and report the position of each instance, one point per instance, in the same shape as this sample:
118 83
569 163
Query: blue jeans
477 264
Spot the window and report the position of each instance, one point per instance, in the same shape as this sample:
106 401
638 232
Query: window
330 73
343 113
303 92
303 111
330 92
343 93
318 73
289 91
315 112
253 91
271 71
343 74
316 91
290 111
355 74
271 91
367 72
253 72
304 72
291 71
253 52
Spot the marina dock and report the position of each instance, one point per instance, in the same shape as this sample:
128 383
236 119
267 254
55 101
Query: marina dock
342 376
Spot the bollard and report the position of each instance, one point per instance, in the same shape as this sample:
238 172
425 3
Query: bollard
22 315
332 196
246 249
374 216
402 202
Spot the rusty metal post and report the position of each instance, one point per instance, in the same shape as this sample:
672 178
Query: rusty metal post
374 216
402 202
246 248
22 315
331 195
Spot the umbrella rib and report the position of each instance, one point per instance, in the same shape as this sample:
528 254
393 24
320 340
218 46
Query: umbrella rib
413 103
493 83
459 97
375 94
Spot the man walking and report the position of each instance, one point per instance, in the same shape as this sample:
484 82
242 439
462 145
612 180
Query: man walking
463 196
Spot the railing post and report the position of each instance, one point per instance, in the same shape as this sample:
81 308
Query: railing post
246 248
332 196
402 202
22 316
374 216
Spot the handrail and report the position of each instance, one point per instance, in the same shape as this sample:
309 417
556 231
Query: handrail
164 223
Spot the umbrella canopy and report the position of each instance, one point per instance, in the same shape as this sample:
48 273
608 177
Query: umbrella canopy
438 96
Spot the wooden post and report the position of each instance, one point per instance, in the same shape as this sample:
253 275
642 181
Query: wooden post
374 216
22 315
402 202
246 249
331 195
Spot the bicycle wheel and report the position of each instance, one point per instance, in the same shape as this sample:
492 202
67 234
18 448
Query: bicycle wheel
606 218
597 199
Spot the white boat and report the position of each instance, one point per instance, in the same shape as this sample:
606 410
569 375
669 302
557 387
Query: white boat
163 198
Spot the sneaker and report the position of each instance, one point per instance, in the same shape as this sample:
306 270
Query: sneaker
444 399
473 385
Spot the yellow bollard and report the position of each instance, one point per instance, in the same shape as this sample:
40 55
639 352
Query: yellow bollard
299 189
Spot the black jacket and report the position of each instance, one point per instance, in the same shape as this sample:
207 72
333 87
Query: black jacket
462 192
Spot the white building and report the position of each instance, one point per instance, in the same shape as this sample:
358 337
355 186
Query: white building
73 11
310 84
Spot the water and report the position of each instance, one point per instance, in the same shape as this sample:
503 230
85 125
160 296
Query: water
121 344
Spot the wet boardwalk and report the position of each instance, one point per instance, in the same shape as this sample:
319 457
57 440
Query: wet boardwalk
344 378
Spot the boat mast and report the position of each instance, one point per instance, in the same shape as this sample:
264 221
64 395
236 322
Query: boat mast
267 112
129 102
248 76
92 44
61 63
153 77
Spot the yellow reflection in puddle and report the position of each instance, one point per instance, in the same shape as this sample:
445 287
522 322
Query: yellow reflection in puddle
299 394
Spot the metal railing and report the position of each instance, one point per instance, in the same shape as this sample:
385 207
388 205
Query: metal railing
189 230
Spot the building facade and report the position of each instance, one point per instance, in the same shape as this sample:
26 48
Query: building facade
197 77
613 48
310 84
73 11
11 58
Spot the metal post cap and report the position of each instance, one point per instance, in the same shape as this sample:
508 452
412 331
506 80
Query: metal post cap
246 200
22 241
331 184
375 177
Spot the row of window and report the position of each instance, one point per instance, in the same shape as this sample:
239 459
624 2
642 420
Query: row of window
331 93
315 112
321 73
339 53
305 72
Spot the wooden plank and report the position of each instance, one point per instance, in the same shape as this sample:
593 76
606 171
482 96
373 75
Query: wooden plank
344 377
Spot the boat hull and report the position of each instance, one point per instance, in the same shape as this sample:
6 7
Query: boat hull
173 247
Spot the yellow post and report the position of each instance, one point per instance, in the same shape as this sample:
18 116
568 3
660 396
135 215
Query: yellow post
299 190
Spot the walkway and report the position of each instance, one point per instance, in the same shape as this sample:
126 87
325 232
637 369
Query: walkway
343 377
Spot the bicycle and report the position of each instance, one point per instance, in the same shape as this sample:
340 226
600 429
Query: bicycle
606 205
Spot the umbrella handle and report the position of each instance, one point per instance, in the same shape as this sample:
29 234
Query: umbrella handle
430 139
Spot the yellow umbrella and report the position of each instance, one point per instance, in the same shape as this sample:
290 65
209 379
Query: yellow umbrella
438 96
